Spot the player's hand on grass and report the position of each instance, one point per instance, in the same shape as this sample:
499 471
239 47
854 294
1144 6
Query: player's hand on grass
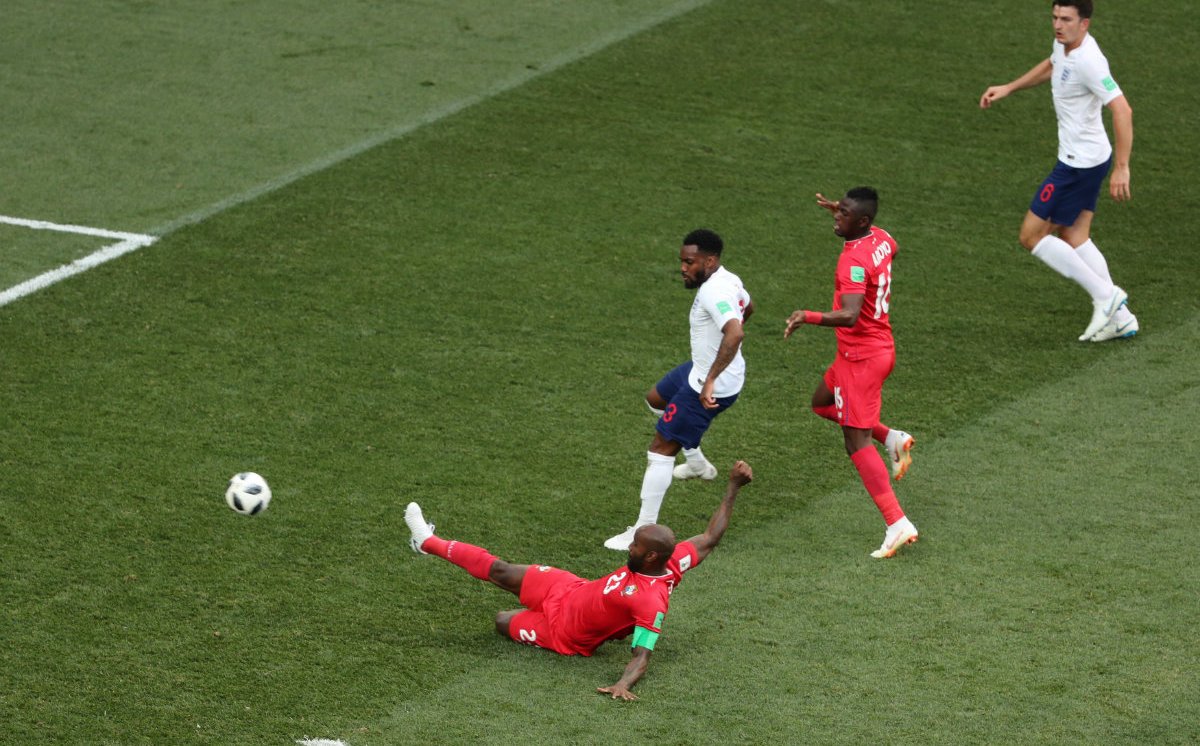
828 204
618 691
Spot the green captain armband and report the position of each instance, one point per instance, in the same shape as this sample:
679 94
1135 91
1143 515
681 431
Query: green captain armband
644 638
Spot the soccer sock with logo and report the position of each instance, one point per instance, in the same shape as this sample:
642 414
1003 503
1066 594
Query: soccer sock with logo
654 486
475 560
875 478
1063 259
1089 252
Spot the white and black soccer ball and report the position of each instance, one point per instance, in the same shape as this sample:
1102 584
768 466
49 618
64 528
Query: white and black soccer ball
248 493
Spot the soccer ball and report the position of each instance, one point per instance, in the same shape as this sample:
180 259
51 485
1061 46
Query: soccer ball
248 493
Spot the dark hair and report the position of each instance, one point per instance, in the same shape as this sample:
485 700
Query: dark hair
865 199
704 240
1083 6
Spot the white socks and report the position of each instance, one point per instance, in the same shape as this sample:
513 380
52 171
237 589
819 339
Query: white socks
654 486
1067 262
1091 256
695 459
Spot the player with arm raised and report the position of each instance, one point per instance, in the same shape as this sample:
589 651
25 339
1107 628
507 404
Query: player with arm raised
850 393
574 616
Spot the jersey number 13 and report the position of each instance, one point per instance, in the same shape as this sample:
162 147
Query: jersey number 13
883 296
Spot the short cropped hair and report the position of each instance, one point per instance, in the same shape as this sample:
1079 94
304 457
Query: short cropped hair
1083 6
704 240
866 199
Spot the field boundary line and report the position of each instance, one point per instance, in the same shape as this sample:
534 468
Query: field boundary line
430 117
131 241
127 242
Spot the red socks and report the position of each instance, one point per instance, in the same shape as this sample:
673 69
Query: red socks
475 560
875 478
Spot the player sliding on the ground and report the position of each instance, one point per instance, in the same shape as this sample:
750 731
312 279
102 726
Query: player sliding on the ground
573 616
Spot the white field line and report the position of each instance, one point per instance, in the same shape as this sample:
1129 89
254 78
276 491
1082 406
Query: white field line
128 242
435 115
42 225
132 242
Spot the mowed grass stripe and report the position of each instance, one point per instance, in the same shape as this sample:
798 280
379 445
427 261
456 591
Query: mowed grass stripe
432 320
1011 618
239 94
441 112
530 72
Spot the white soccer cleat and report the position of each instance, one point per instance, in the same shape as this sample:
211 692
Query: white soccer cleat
685 471
899 447
621 541
1112 330
419 528
1103 311
898 534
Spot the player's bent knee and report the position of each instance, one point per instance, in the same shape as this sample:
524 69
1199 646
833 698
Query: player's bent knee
1033 230
507 575
1029 240
503 621
500 572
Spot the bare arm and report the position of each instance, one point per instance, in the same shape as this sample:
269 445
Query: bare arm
847 315
730 342
1122 118
739 477
1040 73
633 671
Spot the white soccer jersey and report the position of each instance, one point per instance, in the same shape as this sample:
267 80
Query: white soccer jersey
1081 84
721 298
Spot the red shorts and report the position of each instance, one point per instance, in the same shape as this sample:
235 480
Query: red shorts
541 593
857 387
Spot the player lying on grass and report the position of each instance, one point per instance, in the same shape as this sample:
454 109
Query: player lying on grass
573 616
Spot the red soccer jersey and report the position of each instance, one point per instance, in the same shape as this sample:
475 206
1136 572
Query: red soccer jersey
865 267
610 607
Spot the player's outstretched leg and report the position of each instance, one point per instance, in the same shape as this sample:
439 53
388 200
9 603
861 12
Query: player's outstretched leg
420 529
475 560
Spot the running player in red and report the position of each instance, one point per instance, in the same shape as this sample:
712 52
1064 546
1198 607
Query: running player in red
573 616
850 393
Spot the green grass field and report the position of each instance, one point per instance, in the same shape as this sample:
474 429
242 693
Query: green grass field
417 252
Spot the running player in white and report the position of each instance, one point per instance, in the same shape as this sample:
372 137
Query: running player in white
688 398
1057 228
